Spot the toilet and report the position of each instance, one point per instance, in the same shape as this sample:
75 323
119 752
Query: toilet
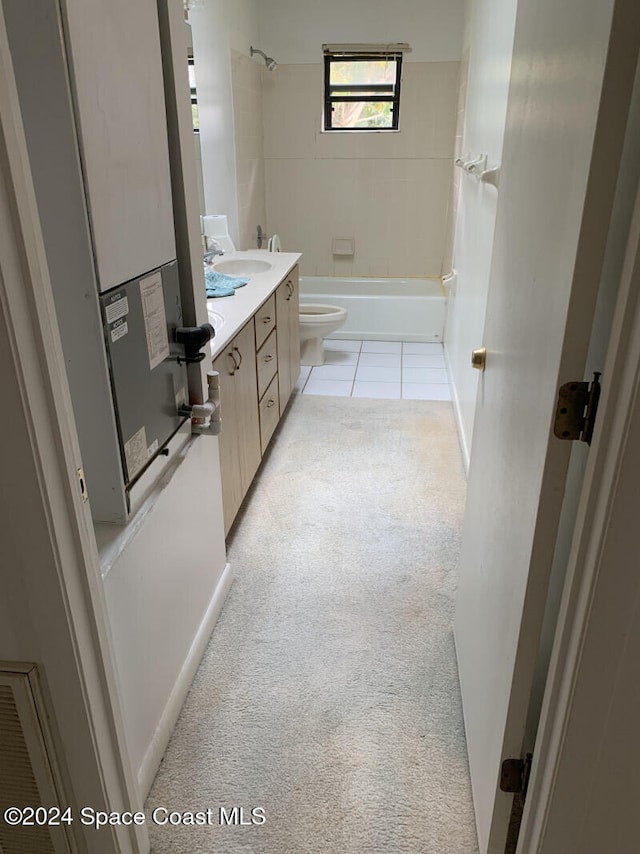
316 322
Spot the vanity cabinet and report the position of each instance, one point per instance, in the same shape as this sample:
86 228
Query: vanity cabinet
267 368
258 370
267 362
239 442
287 315
265 320
269 413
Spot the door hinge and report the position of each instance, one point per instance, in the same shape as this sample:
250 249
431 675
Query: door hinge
514 775
577 409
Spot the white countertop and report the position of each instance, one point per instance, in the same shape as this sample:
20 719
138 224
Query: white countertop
236 310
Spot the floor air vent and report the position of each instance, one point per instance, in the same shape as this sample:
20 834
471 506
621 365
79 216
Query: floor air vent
26 773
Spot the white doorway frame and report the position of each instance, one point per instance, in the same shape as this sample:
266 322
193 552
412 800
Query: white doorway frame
584 788
585 691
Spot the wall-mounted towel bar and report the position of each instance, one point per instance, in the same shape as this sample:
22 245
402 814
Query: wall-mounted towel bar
478 168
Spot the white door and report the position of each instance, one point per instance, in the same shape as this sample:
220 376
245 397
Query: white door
571 78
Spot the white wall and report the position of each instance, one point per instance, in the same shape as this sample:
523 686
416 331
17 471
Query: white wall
242 20
163 593
490 32
292 31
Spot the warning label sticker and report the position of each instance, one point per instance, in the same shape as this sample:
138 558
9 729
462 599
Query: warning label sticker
155 319
119 329
135 452
117 308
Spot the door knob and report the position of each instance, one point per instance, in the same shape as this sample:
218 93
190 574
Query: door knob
479 359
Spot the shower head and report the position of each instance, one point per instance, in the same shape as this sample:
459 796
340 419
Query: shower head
269 61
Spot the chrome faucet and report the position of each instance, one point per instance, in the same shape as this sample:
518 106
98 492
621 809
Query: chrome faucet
212 248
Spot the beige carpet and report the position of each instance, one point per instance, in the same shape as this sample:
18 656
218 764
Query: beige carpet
328 695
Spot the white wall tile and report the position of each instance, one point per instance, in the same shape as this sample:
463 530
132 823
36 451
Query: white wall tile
389 192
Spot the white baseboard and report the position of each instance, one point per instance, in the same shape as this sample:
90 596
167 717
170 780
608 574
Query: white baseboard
160 740
456 409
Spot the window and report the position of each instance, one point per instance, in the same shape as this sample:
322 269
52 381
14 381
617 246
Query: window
362 86
194 97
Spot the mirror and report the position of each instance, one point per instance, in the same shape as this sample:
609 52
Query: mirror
196 122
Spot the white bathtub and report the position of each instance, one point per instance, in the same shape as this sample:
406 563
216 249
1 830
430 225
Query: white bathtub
382 309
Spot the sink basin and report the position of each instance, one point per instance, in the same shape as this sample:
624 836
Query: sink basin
242 266
216 320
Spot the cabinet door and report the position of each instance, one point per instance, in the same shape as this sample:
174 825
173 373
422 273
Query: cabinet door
247 416
287 305
283 315
269 415
267 362
119 88
228 441
294 337
265 321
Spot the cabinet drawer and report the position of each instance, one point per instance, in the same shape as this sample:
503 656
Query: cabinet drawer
269 413
265 320
267 362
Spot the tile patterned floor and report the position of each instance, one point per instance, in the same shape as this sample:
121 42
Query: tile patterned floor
392 370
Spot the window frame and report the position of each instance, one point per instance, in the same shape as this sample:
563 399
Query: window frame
193 92
380 92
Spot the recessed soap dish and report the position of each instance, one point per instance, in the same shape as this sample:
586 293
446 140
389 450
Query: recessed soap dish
343 246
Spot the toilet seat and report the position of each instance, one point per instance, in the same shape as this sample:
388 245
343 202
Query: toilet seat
320 313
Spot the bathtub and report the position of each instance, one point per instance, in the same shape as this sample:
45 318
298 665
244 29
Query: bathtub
382 309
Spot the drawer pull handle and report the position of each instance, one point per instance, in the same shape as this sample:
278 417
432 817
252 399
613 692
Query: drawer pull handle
235 364
270 403
239 355
268 358
290 287
266 319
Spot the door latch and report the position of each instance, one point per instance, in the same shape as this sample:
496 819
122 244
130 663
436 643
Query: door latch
576 410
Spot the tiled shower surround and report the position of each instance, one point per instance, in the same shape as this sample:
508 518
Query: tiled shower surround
390 192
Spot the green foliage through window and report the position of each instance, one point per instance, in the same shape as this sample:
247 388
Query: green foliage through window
194 97
362 92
